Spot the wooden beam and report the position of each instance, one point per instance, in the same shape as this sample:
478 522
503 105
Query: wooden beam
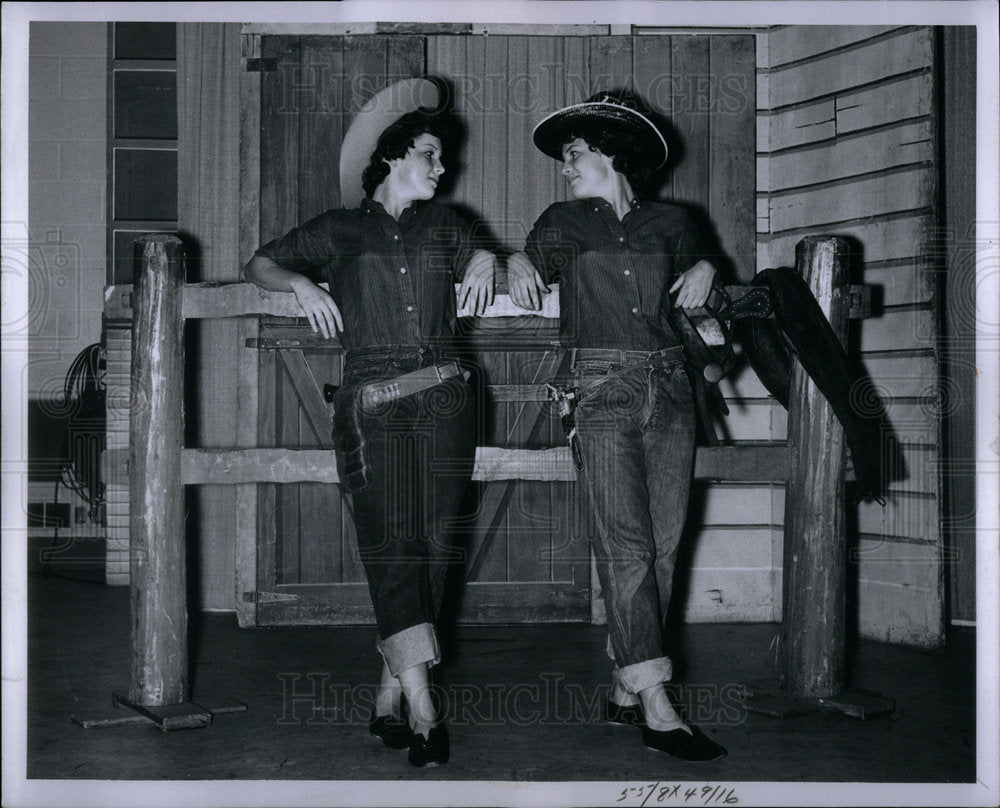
220 299
210 300
159 661
241 466
213 300
749 464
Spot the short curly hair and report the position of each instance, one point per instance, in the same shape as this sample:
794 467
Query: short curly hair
624 150
396 141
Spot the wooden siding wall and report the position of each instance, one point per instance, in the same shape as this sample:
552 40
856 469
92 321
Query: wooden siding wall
847 130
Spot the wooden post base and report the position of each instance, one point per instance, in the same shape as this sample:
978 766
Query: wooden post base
765 697
187 715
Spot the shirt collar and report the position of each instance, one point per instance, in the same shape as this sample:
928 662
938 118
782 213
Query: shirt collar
634 203
369 205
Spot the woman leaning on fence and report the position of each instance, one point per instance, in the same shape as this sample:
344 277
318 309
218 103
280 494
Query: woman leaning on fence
404 422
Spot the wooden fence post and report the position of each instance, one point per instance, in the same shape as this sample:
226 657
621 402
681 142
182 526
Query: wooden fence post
156 502
815 552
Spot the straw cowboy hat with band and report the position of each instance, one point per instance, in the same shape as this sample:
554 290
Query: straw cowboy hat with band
616 113
380 111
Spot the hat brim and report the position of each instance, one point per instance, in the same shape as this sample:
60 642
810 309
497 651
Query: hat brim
378 113
552 132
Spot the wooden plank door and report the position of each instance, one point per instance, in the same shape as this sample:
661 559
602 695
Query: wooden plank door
308 569
526 543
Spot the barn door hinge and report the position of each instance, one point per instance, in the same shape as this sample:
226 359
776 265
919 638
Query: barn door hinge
267 597
261 65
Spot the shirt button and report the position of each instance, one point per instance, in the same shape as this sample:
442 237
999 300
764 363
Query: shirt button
635 311
621 238
628 271
410 308
395 237
402 270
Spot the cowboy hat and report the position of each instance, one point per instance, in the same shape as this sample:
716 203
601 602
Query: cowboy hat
379 112
618 113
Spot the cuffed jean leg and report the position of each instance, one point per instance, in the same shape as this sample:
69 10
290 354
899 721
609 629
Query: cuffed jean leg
630 459
421 450
410 647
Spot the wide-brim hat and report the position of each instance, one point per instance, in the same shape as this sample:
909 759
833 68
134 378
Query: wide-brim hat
601 111
378 113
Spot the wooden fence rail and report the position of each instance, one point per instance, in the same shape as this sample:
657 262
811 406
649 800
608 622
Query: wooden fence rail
159 467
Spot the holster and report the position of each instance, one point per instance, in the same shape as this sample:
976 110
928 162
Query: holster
565 401
353 465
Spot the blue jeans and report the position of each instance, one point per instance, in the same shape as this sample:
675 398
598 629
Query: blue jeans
636 430
421 449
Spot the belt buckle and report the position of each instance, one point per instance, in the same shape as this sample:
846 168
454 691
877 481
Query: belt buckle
439 370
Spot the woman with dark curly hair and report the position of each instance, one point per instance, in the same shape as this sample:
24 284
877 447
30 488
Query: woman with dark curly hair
618 260
404 415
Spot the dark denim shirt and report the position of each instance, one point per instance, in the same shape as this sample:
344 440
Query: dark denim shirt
614 275
394 282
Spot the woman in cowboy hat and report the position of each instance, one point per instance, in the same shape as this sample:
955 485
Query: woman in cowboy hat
404 423
618 261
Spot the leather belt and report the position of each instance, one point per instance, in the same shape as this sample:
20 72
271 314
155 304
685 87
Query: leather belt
674 354
375 393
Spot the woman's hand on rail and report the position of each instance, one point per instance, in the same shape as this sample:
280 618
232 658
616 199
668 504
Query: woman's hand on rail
477 284
694 286
322 312
524 284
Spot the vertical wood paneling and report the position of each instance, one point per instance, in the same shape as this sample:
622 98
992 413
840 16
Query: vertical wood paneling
689 169
611 64
497 150
575 88
267 501
543 59
322 66
654 84
279 139
732 169
522 193
288 427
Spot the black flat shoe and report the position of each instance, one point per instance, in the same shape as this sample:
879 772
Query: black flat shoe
680 744
432 750
626 715
394 731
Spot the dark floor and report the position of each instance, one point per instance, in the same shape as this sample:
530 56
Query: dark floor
523 700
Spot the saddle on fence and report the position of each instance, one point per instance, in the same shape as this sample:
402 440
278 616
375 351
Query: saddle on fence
774 319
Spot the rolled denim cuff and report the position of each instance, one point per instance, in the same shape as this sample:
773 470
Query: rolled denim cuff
641 675
411 646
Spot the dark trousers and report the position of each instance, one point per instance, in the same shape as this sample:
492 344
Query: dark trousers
636 430
421 450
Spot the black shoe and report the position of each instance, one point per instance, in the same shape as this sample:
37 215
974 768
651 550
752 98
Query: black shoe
430 751
394 731
680 744
626 715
